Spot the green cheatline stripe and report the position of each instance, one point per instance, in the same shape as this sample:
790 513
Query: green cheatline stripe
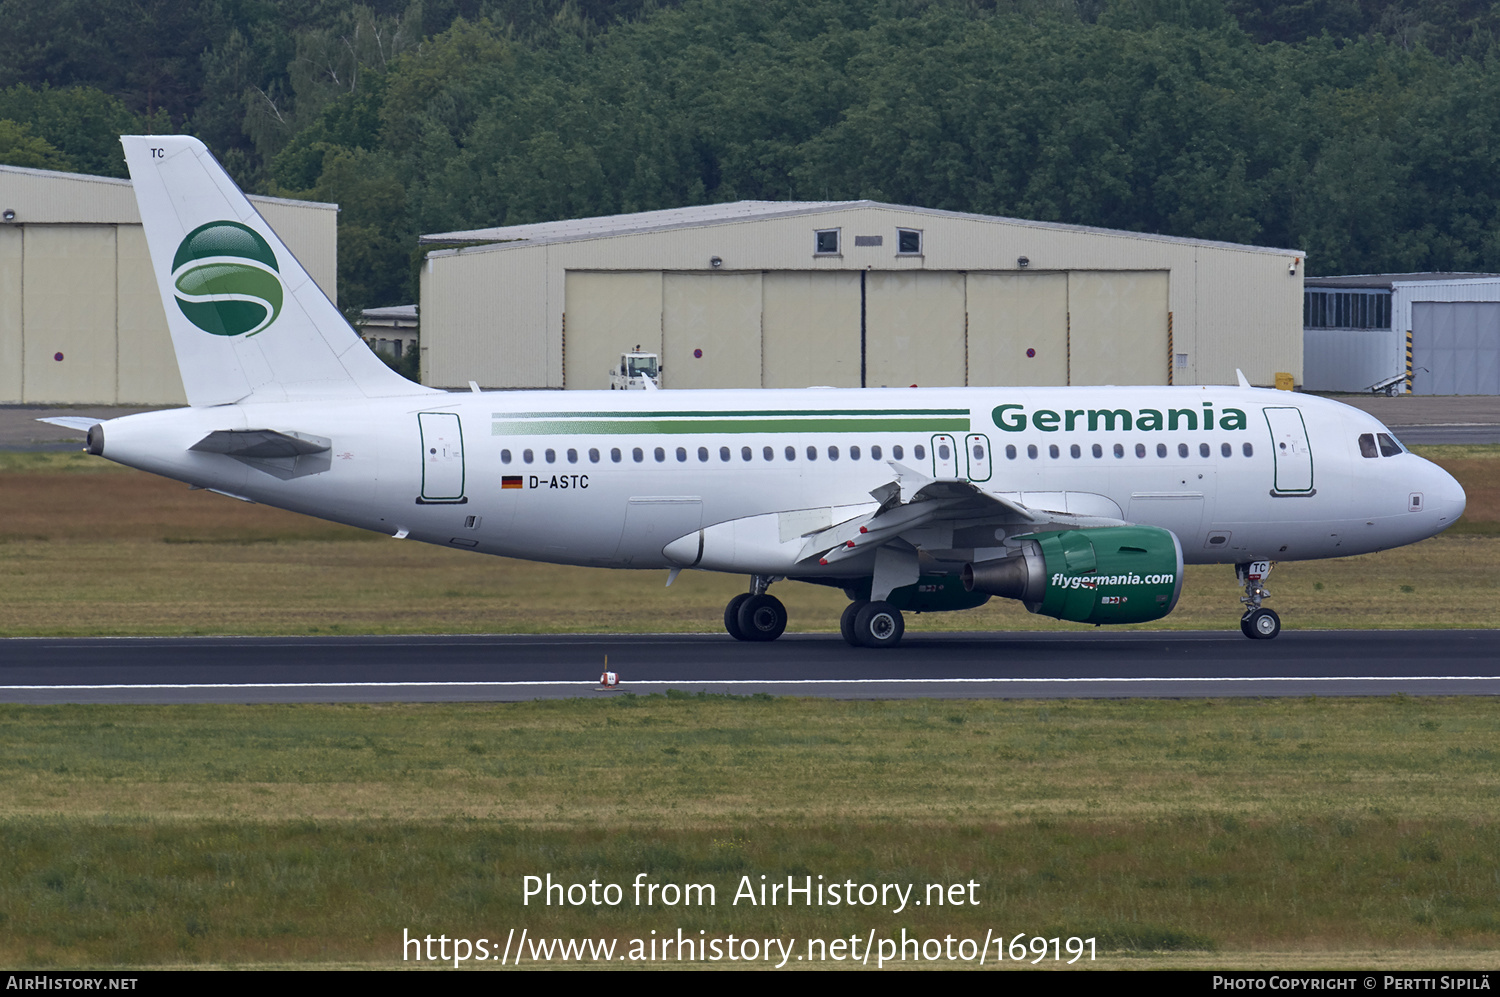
734 413
681 427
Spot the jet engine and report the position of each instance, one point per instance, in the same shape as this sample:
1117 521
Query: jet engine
1114 574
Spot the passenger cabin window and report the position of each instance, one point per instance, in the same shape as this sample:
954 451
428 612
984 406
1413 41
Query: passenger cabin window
505 456
661 455
551 456
572 456
897 452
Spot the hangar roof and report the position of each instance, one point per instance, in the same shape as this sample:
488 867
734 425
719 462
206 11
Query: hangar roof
52 196
702 215
1385 281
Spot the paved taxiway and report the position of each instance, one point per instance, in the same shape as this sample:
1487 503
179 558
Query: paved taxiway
516 667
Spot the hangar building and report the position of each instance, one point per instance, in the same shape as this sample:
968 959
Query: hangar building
81 318
1416 333
849 294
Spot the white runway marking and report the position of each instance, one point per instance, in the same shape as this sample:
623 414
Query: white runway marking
594 684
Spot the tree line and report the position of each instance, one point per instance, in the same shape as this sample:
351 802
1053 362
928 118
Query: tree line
1361 132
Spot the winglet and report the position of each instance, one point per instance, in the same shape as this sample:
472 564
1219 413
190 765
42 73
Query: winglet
1240 376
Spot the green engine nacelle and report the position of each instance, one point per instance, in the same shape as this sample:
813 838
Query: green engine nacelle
1114 574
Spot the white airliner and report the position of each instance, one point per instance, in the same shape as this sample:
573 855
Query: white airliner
1082 502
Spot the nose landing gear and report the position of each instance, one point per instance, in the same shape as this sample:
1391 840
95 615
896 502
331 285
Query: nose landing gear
1258 623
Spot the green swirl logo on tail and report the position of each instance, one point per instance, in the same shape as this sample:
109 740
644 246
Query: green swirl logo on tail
226 280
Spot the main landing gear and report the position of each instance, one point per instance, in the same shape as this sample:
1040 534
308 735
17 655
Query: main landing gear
1258 623
754 615
872 624
757 616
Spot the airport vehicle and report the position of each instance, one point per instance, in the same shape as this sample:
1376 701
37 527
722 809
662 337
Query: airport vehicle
1082 502
636 371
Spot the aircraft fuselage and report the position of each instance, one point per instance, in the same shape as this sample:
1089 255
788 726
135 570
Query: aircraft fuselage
611 479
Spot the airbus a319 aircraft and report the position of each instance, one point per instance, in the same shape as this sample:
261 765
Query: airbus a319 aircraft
1084 503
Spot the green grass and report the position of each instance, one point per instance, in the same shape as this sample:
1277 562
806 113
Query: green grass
121 552
290 834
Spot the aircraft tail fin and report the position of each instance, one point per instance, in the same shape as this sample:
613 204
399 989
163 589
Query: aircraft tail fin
247 322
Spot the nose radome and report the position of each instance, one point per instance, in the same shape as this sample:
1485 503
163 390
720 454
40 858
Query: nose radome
1445 497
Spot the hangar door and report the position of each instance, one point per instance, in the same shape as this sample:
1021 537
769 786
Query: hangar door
793 329
1018 328
710 330
1117 327
914 329
606 315
1455 347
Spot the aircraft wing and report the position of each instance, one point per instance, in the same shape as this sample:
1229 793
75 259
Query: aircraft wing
913 501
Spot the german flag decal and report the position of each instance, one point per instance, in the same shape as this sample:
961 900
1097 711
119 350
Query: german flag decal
510 481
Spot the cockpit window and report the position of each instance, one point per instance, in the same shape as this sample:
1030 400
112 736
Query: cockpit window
1379 445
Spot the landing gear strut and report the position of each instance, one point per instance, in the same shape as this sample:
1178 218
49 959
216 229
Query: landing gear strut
872 624
1258 623
754 615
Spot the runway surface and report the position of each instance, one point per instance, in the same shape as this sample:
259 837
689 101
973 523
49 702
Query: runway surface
1085 664
1472 435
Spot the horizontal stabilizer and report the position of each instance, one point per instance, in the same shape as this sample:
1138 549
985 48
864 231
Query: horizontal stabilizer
81 423
261 444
